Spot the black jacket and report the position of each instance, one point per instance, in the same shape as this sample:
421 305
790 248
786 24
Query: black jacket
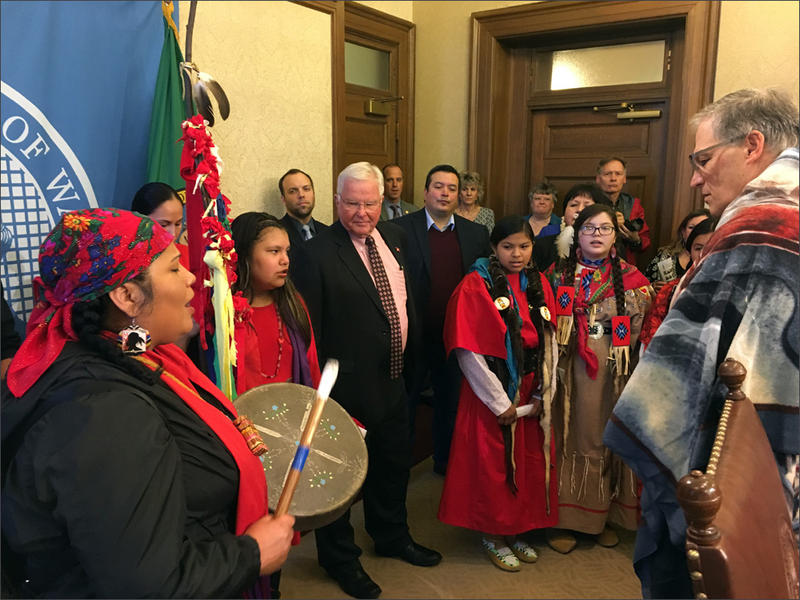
350 323
118 489
298 256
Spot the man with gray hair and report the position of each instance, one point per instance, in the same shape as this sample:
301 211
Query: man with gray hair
740 300
357 294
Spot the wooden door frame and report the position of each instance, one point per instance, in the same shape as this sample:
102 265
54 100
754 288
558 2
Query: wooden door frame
336 12
383 22
366 23
494 144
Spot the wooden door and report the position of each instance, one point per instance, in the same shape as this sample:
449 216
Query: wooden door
368 134
567 143
505 96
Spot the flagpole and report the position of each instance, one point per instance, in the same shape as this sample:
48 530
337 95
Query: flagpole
187 57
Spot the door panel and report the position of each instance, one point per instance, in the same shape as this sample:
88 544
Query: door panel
368 136
381 139
567 143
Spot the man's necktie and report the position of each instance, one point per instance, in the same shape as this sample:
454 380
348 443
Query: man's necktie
387 300
395 210
306 232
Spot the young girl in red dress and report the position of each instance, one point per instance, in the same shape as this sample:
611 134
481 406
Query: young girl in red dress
500 323
274 340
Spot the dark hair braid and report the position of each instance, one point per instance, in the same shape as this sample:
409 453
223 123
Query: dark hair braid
87 322
567 268
536 300
619 288
500 288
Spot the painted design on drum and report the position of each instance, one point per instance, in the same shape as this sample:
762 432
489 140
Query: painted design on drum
266 461
337 460
328 429
277 411
320 479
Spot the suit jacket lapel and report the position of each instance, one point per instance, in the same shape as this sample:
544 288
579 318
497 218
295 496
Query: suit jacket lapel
391 242
464 242
421 237
353 263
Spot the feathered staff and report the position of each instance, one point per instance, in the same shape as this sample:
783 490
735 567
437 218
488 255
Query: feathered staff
197 84
211 255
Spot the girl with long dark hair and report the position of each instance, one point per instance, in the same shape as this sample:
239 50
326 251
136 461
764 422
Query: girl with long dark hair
275 342
500 323
601 301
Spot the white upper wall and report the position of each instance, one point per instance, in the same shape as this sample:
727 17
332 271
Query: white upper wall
273 59
758 47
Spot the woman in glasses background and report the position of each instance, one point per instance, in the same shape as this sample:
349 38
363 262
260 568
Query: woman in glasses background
600 301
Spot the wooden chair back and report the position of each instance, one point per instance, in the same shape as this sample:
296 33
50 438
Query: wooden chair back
739 539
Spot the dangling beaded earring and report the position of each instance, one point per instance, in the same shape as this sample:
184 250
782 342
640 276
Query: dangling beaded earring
134 338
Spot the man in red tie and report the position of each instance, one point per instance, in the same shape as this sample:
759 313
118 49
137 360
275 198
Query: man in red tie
356 290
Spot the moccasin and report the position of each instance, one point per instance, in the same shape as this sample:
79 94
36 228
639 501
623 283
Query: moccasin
523 550
561 540
502 557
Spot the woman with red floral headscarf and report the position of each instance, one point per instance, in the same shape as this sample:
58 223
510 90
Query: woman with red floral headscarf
124 471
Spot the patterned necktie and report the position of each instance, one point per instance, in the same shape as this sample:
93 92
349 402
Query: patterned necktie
306 232
387 301
395 210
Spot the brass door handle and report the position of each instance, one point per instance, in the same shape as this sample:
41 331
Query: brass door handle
377 106
631 113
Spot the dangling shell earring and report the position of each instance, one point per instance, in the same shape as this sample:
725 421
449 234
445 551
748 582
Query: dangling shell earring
134 338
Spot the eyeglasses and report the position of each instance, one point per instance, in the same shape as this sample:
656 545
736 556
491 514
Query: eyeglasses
351 205
699 164
604 229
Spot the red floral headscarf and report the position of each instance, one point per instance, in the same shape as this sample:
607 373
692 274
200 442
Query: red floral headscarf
88 253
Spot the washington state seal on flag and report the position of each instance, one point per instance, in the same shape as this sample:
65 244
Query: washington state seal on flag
78 81
40 179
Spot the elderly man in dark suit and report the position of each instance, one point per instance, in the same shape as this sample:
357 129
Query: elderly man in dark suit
297 195
357 294
441 248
